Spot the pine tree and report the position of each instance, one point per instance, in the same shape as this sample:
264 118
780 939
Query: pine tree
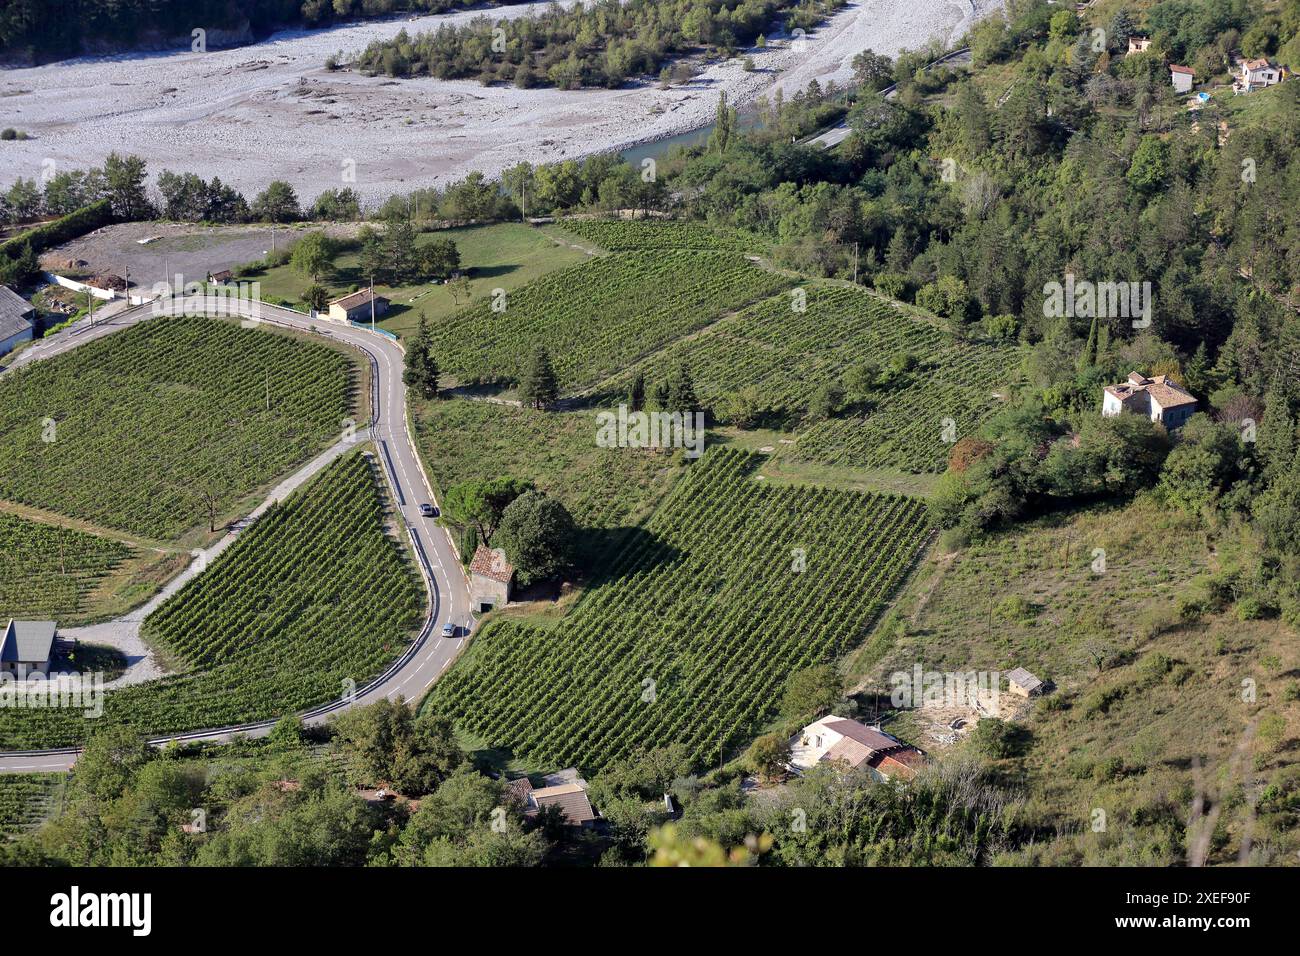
636 394
681 391
538 386
1089 356
421 372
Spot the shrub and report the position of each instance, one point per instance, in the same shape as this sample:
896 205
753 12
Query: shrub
1112 768
1252 608
892 284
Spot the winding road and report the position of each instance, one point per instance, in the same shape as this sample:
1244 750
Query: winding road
430 654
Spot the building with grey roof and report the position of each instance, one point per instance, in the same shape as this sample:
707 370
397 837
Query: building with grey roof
27 647
17 320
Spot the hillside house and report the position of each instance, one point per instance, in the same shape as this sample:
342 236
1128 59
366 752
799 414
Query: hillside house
355 307
1160 398
1138 44
221 278
17 320
1182 78
853 745
1256 75
565 789
1024 684
27 647
491 579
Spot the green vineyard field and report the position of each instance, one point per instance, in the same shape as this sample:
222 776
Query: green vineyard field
135 430
691 633
313 595
618 235
557 451
26 799
47 571
787 355
598 317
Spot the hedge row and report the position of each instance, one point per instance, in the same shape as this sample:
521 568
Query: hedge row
74 224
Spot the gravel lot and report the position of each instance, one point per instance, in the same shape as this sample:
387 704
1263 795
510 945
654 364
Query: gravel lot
193 251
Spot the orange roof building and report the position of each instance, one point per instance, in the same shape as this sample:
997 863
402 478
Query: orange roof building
1160 398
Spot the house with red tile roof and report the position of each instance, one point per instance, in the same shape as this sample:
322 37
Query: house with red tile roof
853 745
1159 398
491 579
565 790
1257 74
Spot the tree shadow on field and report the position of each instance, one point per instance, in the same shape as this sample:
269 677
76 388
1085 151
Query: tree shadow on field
603 555
491 272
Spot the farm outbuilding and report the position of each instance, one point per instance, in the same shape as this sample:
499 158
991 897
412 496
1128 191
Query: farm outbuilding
356 307
491 578
17 319
1023 683
27 647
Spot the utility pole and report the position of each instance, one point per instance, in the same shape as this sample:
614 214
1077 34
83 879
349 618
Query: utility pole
855 263
372 303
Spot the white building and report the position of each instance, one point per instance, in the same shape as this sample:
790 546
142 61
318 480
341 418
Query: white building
852 744
1160 398
1181 77
16 320
1257 74
26 647
1138 44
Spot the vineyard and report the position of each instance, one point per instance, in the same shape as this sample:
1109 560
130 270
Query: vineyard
788 354
599 317
618 235
313 595
601 487
26 799
145 429
692 631
914 426
46 571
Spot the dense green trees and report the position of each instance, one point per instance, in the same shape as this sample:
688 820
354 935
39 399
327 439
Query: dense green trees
187 198
481 504
41 29
537 534
538 385
312 255
278 202
390 745
598 44
421 371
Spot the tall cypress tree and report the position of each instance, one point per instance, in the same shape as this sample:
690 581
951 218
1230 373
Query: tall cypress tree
538 386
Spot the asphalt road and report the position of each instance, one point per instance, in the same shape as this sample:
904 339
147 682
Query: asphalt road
425 660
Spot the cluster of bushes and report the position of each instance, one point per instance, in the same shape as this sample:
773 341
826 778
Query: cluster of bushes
601 44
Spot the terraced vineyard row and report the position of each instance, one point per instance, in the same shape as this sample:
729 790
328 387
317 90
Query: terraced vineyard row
26 799
312 595
135 430
598 317
692 632
46 571
618 235
788 355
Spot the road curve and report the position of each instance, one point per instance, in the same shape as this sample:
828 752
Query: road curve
430 654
